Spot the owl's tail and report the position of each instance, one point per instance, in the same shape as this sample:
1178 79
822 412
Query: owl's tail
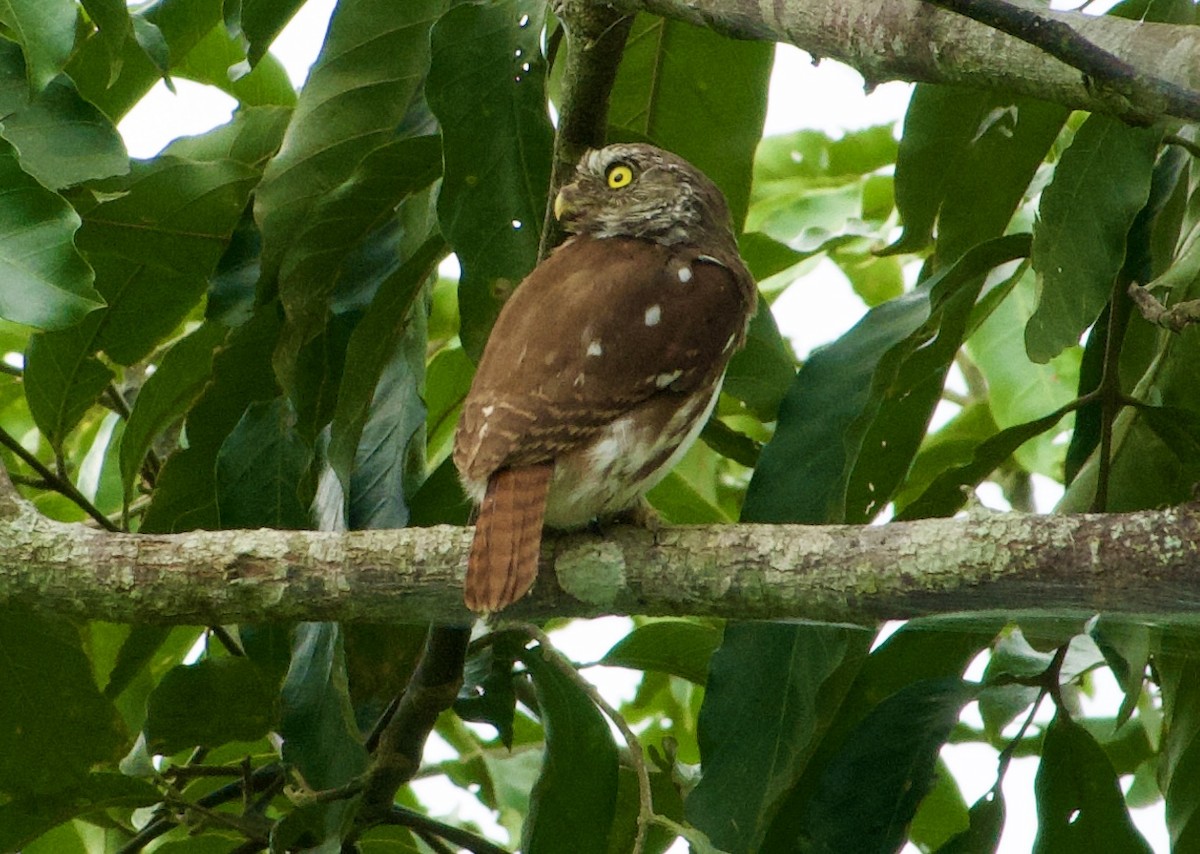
508 536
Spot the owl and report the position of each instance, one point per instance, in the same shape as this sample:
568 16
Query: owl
604 365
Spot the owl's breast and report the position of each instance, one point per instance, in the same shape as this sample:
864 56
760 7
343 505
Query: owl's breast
626 459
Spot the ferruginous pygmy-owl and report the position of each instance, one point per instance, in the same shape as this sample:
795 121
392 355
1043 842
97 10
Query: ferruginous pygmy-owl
605 363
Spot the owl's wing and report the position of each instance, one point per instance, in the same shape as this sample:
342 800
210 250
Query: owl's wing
598 328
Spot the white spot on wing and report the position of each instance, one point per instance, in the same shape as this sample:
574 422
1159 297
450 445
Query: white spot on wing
594 348
685 274
653 315
664 380
579 378
487 411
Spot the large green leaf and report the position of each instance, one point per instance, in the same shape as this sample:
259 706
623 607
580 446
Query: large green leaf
1179 766
343 227
44 282
753 752
153 244
574 800
487 87
185 492
1080 807
965 161
679 647
219 60
45 30
26 818
209 703
162 33
1020 390
921 650
871 789
1100 184
156 241
54 722
261 470
259 22
180 378
320 738
697 93
805 470
357 94
61 139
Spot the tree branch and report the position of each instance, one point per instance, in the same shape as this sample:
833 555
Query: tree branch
596 35
1135 563
913 40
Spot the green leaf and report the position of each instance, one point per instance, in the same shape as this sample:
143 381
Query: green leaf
679 647
805 471
114 26
62 380
372 345
965 161
219 60
209 703
440 499
62 140
179 379
754 752
873 786
45 30
697 93
261 470
260 21
342 115
161 31
44 281
54 722
1080 807
487 694
1100 184
983 835
943 813
185 492
497 142
1179 763
156 241
574 800
345 219
945 496
26 818
447 380
761 372
317 724
1020 390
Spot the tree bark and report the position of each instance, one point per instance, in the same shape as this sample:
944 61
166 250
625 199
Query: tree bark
1137 563
915 41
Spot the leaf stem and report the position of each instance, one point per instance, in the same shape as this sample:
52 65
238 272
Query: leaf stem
637 757
60 484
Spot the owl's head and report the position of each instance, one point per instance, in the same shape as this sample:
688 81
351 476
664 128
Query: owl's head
633 190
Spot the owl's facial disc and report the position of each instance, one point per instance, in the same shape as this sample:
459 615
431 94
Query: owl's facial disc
639 191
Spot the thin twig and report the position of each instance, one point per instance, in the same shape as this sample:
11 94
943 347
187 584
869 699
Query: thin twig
1109 389
403 817
61 485
636 756
1186 144
1176 318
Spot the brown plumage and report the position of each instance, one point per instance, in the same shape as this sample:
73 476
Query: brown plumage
604 364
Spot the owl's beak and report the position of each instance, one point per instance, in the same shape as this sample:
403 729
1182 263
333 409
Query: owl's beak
566 203
561 206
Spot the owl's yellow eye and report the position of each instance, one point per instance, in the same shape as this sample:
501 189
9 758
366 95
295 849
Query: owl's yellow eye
619 175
